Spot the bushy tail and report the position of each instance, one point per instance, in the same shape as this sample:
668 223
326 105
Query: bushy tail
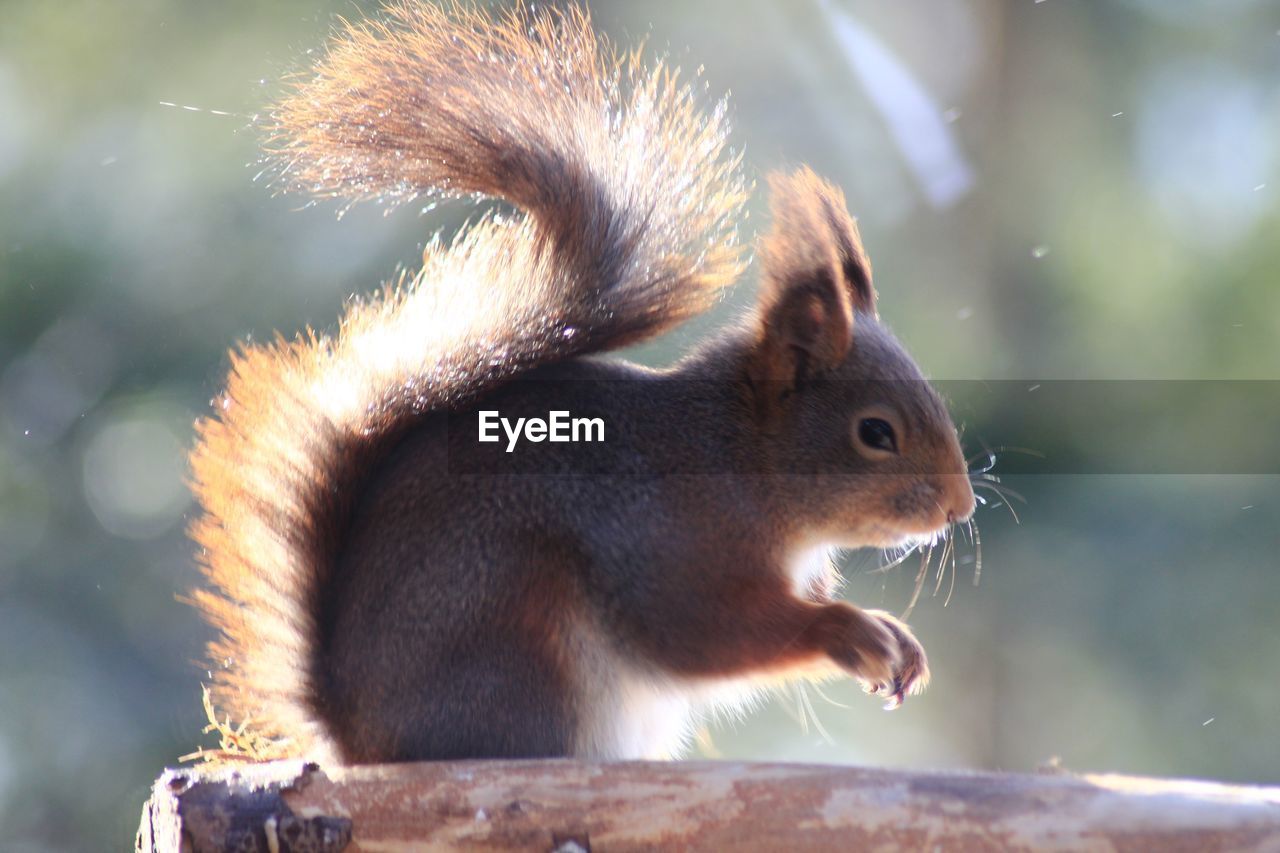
628 201
622 175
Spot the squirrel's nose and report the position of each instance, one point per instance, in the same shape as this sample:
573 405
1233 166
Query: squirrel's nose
959 499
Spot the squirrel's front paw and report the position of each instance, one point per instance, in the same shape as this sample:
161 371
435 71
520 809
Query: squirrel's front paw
865 646
910 672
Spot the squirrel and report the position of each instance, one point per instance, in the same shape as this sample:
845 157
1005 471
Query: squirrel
376 599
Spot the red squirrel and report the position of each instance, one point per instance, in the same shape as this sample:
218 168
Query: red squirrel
377 599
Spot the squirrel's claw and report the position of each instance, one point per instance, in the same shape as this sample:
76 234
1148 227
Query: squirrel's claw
897 694
911 672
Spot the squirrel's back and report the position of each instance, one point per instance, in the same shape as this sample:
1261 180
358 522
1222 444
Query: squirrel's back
626 203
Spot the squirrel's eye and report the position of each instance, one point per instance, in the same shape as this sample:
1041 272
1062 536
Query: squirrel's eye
877 433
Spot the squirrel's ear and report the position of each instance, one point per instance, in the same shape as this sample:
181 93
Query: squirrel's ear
816 277
854 263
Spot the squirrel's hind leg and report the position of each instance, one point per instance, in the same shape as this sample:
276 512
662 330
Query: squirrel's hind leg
491 698
439 661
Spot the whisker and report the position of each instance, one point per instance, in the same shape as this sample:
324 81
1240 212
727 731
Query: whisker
996 484
897 561
925 554
813 715
1013 448
990 454
997 490
954 571
1013 512
948 549
991 461
977 545
800 707
818 689
796 713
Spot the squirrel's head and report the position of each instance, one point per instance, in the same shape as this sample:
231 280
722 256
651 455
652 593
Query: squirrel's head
863 445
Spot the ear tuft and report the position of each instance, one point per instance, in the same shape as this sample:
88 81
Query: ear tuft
854 263
816 278
812 222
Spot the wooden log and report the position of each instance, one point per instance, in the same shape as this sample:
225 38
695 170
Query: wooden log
574 806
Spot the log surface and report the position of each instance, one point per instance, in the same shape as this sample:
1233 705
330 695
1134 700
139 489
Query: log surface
572 805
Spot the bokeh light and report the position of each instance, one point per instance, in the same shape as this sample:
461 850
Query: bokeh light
134 476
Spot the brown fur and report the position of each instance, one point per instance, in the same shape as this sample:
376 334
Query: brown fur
377 602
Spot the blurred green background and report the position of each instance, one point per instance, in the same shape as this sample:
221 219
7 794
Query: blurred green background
1048 190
